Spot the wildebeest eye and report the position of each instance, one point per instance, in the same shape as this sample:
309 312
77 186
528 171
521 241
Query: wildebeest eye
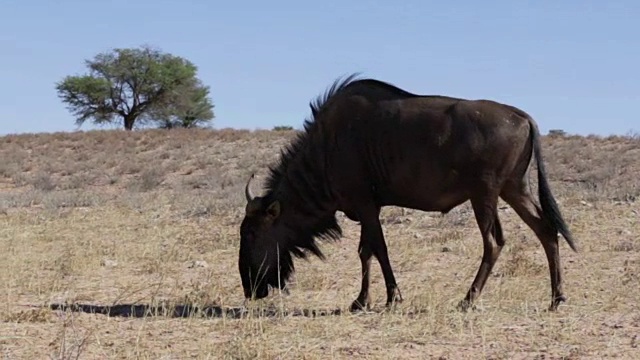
247 233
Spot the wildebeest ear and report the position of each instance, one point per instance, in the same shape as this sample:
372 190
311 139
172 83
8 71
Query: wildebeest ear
273 210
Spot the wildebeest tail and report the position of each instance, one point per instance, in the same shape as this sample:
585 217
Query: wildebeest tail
547 202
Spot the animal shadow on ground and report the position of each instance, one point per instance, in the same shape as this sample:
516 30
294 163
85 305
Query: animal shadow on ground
187 310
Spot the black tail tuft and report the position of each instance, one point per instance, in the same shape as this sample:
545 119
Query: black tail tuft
547 201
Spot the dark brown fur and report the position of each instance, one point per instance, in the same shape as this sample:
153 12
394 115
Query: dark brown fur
370 144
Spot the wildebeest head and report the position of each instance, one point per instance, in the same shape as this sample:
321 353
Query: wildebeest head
263 262
276 227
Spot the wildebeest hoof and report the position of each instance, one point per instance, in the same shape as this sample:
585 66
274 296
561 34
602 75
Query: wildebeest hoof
356 306
394 297
465 305
556 302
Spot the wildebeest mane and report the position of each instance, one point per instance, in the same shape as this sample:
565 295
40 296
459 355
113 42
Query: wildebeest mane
312 126
305 186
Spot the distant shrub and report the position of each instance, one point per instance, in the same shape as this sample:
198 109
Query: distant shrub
148 180
632 134
282 128
557 132
42 181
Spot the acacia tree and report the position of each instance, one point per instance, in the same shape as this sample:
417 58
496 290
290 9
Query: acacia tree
133 84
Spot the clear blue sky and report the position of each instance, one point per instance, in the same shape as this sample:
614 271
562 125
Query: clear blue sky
573 65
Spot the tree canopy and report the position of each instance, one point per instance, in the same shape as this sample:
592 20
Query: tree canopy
137 85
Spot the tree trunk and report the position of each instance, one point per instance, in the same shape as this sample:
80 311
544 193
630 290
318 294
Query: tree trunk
128 122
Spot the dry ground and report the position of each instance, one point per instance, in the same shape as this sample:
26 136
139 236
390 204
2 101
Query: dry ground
151 217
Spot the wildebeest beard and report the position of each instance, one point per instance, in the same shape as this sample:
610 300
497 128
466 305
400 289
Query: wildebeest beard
273 264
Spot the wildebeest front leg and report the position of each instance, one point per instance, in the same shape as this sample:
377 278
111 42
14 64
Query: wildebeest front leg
486 213
371 233
362 302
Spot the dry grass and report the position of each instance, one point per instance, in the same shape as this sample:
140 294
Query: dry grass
151 218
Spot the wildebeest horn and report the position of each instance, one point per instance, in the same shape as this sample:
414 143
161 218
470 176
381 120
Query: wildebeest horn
247 190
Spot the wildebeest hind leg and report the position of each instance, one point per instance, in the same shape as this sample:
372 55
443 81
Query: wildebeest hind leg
520 199
486 213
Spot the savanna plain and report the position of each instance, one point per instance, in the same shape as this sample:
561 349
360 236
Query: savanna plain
148 222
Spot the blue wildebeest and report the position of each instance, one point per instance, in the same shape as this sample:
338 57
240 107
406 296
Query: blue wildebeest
370 144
